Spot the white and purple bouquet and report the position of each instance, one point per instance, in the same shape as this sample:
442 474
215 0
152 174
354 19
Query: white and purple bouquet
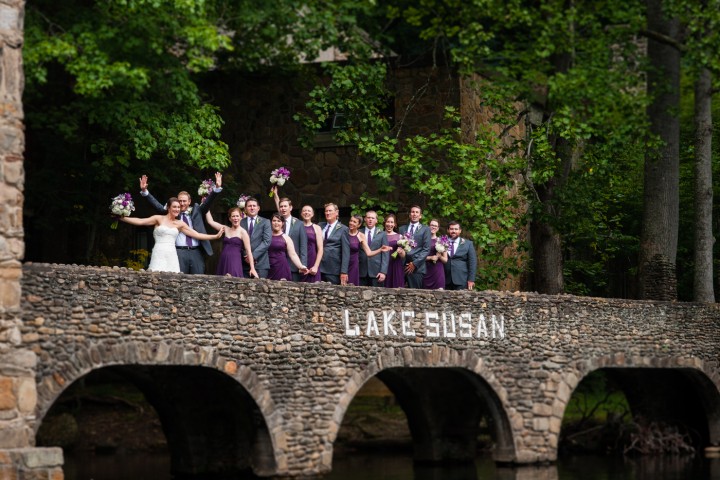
442 244
406 242
279 176
122 206
206 187
241 201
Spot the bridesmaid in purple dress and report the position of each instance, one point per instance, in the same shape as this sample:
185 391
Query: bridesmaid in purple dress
395 277
281 246
314 245
434 278
358 241
230 262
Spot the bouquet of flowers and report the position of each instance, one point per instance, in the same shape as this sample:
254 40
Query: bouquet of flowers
121 206
442 244
205 187
241 201
406 242
279 176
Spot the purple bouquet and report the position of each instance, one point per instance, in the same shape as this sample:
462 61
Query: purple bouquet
406 242
122 206
241 201
205 187
442 244
279 176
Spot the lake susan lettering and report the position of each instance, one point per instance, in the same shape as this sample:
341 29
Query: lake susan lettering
435 325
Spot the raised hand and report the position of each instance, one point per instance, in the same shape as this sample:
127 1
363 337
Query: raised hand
218 179
143 183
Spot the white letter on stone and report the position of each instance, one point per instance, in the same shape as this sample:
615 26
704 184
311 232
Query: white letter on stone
372 326
387 318
407 324
350 332
451 333
481 327
432 328
500 326
466 328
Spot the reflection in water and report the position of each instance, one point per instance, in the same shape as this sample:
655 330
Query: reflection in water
397 466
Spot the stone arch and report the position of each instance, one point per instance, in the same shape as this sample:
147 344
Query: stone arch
142 362
693 378
466 366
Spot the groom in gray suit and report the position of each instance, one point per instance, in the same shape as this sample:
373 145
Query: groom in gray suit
461 266
295 229
189 250
260 233
415 258
373 269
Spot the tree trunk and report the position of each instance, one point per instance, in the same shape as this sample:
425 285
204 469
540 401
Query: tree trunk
659 238
703 277
547 258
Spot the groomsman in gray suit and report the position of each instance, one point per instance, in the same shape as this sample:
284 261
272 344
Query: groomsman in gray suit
415 258
190 251
260 233
461 266
373 269
336 248
295 229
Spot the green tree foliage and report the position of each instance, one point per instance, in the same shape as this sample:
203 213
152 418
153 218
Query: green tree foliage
577 70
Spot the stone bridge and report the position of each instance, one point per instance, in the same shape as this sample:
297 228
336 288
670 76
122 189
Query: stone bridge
259 374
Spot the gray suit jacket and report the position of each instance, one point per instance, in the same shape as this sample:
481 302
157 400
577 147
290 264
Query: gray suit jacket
418 254
299 238
462 266
336 250
371 266
197 215
259 241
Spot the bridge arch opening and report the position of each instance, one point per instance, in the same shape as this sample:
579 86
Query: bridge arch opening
211 423
658 402
453 415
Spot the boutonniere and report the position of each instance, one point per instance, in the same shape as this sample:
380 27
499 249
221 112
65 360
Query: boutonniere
462 240
189 210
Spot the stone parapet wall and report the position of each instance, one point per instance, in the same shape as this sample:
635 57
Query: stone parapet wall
304 350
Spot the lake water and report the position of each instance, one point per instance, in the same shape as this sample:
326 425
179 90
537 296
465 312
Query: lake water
398 466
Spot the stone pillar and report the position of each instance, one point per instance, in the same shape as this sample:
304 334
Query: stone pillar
18 458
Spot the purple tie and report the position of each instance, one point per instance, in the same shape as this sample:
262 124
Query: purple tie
412 229
369 236
327 232
188 240
250 228
452 247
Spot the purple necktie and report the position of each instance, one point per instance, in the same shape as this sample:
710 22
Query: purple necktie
412 229
327 232
250 228
188 240
369 235
452 247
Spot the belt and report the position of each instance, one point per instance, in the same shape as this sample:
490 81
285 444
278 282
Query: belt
186 248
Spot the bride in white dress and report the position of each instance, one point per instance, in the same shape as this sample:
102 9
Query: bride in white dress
164 256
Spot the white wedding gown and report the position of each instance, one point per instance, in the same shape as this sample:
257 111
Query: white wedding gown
164 256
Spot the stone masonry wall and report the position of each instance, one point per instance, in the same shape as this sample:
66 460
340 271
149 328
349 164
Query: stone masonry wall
17 363
303 350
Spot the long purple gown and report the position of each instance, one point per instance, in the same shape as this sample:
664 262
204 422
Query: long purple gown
231 257
434 278
311 254
279 267
395 277
354 265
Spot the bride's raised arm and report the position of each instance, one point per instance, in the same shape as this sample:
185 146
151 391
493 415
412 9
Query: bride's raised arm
154 220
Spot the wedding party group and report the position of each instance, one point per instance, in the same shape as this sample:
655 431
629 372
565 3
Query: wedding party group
297 249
